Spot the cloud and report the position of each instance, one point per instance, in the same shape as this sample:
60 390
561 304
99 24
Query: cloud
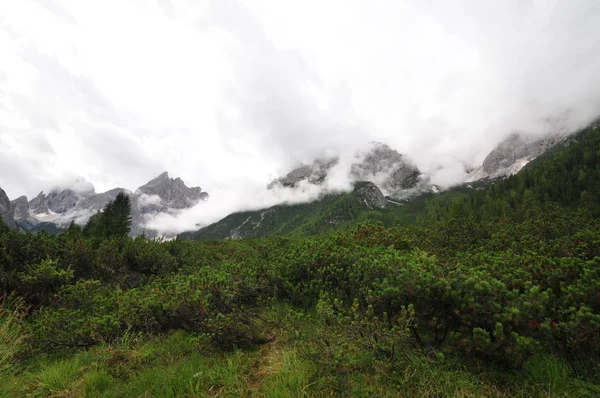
228 94
55 8
149 200
276 99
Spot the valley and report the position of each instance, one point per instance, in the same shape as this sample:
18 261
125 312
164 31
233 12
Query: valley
482 290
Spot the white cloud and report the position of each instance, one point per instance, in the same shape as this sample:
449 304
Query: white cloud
228 94
149 200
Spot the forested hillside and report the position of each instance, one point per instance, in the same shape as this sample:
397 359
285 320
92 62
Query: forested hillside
566 175
487 292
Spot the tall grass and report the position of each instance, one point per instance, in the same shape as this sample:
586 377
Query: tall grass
13 338
59 378
551 376
293 379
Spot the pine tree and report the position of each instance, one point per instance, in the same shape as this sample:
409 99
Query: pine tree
114 220
121 215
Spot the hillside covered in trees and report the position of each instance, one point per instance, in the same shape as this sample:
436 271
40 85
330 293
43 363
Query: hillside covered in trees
565 175
493 291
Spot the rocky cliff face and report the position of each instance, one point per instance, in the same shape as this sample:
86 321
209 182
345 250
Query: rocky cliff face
38 204
512 154
63 201
173 193
381 165
20 208
80 201
6 210
371 196
314 173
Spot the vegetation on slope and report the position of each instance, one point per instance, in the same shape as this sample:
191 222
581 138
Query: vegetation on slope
565 175
494 294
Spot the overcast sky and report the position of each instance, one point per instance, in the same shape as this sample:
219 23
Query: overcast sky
235 92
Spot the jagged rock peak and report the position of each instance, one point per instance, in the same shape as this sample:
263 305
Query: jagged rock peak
388 169
63 201
513 153
172 192
20 208
62 197
517 148
380 157
314 173
371 196
162 176
77 201
78 185
38 204
6 212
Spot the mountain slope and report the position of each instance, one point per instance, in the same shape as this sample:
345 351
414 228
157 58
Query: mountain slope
513 153
329 212
483 196
332 212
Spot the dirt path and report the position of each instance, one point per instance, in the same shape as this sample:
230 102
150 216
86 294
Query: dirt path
270 362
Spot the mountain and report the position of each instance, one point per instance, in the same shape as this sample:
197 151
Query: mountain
387 186
173 193
395 175
78 202
330 211
398 191
6 210
512 154
381 177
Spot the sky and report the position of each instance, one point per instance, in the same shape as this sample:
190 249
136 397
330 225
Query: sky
229 94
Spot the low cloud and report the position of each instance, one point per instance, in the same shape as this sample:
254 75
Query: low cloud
149 200
229 94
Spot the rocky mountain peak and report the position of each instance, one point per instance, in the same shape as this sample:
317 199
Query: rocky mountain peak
387 168
370 194
83 186
383 166
164 176
20 208
6 210
38 204
172 192
513 153
63 201
314 173
78 201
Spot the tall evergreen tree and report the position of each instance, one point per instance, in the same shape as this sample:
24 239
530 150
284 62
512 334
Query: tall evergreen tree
114 220
120 221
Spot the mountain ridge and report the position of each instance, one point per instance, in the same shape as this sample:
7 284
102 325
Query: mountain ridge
77 203
382 175
509 157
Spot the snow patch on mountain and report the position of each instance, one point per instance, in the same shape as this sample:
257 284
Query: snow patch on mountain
77 201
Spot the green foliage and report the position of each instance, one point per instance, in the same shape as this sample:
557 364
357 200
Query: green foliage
57 379
149 257
494 293
292 380
13 335
114 220
42 279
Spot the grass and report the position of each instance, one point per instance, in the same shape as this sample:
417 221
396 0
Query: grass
13 338
96 382
175 366
551 376
548 373
56 379
288 376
